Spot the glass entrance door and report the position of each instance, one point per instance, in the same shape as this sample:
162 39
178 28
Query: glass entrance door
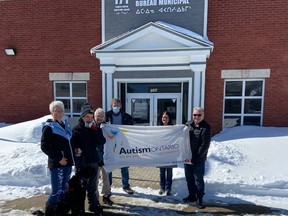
146 109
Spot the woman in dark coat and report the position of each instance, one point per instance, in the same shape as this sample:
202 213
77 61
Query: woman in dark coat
55 143
166 173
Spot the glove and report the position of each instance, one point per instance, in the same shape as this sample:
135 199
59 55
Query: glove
101 163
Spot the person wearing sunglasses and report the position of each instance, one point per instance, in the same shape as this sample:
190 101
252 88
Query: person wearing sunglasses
200 137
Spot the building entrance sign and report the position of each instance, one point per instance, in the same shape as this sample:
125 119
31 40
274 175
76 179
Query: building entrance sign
121 16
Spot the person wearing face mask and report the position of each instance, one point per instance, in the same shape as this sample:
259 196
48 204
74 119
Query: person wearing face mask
117 116
87 140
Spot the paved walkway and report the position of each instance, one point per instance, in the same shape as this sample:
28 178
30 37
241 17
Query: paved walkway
143 177
146 177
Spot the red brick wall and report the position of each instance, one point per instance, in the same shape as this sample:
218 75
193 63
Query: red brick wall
50 36
56 36
248 34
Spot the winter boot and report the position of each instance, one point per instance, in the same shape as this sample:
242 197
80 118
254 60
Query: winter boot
199 202
63 208
107 200
96 208
190 198
50 210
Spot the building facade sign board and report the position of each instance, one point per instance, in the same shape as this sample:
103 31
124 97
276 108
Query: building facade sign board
121 16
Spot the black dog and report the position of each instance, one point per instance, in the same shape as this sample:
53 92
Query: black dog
76 195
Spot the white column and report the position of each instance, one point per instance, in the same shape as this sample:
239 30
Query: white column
107 86
107 66
197 81
198 66
104 105
109 90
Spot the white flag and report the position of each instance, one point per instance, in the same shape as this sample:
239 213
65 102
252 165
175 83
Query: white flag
128 145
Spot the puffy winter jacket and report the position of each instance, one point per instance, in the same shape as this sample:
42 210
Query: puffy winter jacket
90 141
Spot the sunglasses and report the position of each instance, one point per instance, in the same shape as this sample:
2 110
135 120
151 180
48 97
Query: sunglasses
198 115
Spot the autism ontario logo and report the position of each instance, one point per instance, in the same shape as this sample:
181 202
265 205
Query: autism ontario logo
115 137
121 146
159 149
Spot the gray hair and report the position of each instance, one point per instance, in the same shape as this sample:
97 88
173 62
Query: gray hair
116 100
198 108
56 103
99 111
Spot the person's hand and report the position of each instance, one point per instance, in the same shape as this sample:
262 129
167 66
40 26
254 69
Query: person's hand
194 160
63 161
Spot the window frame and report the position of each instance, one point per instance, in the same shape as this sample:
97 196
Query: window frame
70 98
242 115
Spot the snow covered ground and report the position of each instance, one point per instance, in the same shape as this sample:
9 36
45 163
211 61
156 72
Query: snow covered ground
246 164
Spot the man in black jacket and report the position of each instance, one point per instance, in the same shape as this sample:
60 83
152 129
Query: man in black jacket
117 116
200 137
87 140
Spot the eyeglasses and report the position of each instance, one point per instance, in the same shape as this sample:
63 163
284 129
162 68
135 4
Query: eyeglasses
57 110
198 115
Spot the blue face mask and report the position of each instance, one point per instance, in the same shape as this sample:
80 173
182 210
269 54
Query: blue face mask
116 109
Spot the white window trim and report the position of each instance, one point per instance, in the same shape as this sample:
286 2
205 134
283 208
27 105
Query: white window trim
243 97
245 74
70 98
74 76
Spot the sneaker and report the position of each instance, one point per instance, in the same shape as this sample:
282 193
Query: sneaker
128 190
107 200
199 203
189 199
161 191
168 193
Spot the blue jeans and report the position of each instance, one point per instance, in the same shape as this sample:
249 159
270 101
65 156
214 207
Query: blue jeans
166 175
195 179
59 184
125 177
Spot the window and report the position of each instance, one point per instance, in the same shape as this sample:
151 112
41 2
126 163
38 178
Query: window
243 102
72 94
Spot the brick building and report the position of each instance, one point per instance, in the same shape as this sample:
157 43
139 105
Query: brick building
229 57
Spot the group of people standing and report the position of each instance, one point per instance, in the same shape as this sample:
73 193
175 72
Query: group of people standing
83 147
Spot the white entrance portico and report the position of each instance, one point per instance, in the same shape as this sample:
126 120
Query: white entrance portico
160 54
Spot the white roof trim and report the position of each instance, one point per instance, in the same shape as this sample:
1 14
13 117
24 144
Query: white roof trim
185 38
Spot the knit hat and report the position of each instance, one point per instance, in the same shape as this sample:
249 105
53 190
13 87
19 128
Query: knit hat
86 109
